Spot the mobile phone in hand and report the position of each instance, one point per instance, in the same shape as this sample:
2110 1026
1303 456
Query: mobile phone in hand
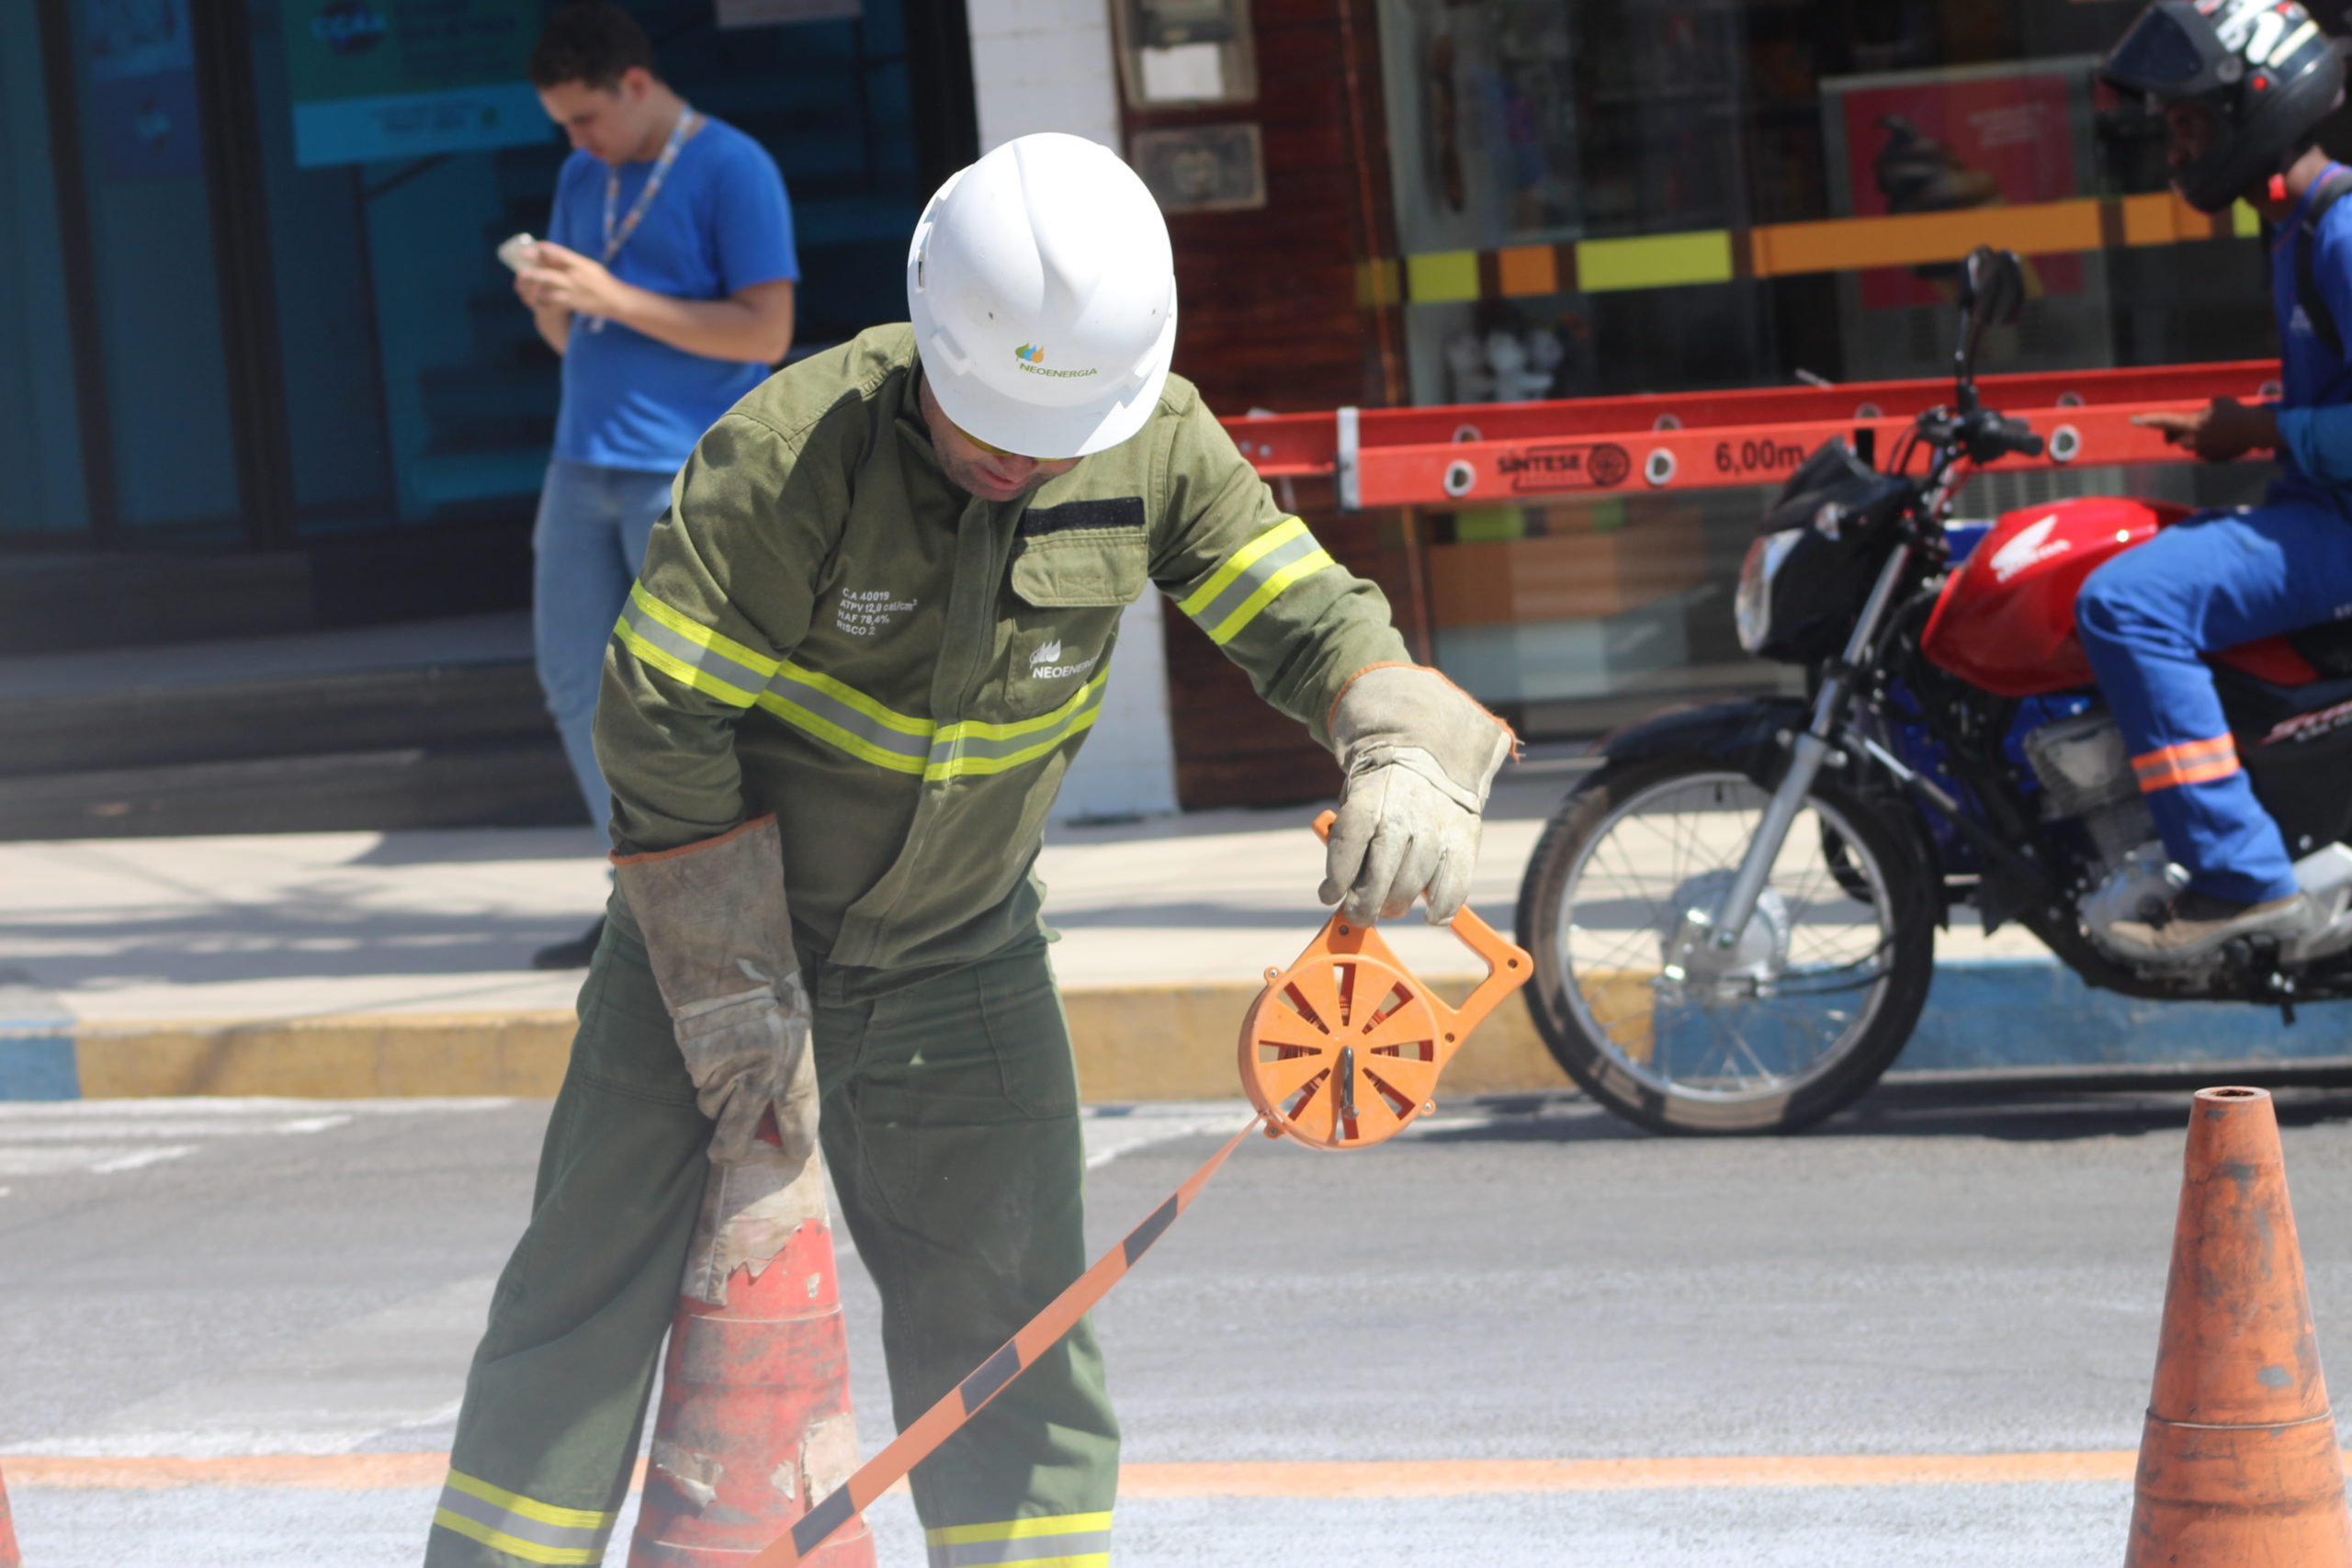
518 251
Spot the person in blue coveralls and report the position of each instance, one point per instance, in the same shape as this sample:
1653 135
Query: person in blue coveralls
2243 85
666 283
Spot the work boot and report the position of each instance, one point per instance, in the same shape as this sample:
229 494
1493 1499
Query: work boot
577 954
2194 925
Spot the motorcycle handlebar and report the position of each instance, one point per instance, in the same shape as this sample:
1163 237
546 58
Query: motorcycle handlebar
1986 436
2017 435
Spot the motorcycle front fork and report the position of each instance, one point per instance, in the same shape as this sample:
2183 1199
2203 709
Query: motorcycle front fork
1705 933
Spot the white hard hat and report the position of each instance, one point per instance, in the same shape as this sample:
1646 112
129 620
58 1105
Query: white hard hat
1043 294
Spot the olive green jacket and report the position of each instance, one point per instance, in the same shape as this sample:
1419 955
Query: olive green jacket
827 629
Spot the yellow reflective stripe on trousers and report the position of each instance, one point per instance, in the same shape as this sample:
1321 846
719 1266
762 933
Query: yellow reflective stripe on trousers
1065 1540
519 1525
669 642
1252 577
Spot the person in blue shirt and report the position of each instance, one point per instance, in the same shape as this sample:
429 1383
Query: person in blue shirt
666 283
2243 85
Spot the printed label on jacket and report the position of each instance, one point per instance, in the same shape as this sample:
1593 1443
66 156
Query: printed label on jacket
864 612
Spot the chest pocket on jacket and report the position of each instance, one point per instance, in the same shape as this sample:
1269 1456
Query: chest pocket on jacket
1076 567
1083 553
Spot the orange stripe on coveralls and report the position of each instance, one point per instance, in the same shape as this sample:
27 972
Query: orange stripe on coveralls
2191 761
1368 1479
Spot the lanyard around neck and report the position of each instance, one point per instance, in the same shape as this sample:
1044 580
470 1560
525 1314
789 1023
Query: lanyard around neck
619 228
616 233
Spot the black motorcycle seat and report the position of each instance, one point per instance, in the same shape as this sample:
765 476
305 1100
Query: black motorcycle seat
2328 646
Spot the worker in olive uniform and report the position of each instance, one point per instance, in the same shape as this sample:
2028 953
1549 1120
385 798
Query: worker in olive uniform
870 635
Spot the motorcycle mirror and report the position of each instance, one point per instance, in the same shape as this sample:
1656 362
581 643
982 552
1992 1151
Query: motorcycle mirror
1992 289
1992 282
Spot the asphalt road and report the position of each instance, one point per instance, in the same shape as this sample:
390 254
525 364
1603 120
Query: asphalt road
1521 1281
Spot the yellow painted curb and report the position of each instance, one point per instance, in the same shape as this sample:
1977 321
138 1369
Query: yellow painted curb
1133 1042
350 1056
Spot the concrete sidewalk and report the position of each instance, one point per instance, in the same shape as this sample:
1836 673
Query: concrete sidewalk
356 965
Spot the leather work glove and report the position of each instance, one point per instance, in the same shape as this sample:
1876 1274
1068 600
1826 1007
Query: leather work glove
719 937
1419 753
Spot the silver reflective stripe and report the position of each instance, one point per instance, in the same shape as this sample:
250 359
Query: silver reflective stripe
1255 575
967 748
638 626
520 1533
822 707
1026 1548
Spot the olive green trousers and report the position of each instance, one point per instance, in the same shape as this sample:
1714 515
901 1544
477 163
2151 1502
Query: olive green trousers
950 1125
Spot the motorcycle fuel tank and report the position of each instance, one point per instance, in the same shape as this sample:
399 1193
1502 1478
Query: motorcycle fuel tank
2005 620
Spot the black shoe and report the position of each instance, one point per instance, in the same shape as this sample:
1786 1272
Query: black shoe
574 954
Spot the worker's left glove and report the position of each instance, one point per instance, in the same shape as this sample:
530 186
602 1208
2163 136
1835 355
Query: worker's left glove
1419 754
719 937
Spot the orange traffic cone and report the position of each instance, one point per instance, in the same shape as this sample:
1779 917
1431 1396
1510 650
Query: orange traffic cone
755 1425
2238 1463
9 1556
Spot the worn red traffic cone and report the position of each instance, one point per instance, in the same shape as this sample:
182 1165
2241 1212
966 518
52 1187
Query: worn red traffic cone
9 1556
2238 1462
755 1422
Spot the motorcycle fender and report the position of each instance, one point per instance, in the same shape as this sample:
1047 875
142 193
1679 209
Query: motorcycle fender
1743 735
1747 737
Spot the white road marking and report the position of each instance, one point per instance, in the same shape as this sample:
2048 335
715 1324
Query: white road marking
106 1137
1114 1130
139 1158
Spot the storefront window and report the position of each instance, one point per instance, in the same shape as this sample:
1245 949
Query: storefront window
152 269
248 289
40 437
1634 195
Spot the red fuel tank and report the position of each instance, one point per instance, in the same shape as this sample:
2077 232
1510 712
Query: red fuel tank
2006 619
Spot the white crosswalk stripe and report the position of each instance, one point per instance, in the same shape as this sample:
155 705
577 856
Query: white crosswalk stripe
105 1138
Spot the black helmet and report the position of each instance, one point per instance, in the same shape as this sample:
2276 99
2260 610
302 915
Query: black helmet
2266 68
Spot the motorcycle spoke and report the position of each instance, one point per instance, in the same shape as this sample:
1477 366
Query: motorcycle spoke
1811 968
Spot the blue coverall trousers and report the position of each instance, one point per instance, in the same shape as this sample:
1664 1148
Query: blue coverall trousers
2146 616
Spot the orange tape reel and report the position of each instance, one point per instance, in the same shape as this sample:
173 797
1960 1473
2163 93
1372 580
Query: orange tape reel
1344 1048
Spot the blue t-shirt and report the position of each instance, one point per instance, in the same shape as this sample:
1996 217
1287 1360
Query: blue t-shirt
719 223
2314 418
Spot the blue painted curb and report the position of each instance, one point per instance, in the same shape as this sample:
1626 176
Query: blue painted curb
37 1059
1991 1013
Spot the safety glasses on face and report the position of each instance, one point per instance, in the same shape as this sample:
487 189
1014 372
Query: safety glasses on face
991 450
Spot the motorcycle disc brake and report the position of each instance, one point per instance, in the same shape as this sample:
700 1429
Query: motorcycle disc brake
1343 1048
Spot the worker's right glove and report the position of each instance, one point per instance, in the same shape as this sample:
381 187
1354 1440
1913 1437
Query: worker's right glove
719 937
1419 754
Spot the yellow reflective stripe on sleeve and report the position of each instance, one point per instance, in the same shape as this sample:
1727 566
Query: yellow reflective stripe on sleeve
1254 577
1237 563
1225 631
842 716
679 669
850 697
669 642
521 1527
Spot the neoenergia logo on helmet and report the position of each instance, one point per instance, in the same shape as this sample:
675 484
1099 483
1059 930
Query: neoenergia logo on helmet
1033 359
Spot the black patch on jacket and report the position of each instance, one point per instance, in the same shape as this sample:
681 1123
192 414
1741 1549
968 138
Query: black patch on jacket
1121 511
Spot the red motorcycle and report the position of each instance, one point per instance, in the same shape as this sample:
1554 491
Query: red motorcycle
1733 917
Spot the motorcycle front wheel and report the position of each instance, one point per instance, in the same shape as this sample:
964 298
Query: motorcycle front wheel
1789 1022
